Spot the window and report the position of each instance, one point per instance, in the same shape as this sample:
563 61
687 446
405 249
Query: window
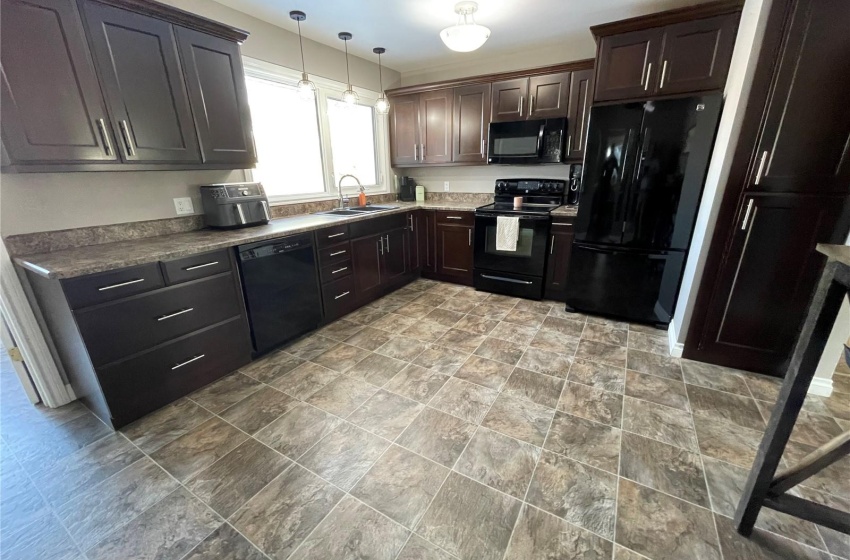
303 147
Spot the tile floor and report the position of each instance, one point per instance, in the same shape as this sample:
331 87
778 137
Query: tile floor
436 423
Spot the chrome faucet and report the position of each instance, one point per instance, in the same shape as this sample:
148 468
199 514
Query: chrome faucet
341 199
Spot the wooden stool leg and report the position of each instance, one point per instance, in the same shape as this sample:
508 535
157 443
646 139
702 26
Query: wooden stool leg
822 313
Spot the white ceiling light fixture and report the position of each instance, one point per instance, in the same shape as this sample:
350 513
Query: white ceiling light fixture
382 105
466 35
349 96
306 88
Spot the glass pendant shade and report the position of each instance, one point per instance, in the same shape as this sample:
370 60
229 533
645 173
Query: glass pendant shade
382 105
306 88
466 35
350 96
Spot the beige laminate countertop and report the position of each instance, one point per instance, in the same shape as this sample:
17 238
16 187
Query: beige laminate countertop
840 253
565 211
90 259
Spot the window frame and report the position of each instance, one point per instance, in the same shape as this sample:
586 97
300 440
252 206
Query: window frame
328 89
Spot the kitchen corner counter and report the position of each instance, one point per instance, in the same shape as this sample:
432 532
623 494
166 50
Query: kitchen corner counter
565 211
90 259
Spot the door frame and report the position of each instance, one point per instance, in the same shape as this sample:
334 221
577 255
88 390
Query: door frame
24 328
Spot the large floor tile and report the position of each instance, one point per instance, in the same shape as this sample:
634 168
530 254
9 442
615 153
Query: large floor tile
662 423
344 455
271 367
605 334
464 400
341 357
225 543
525 318
165 425
592 443
199 448
298 430
660 390
647 362
602 353
45 540
500 350
541 536
601 376
437 436
376 369
418 548
40 447
714 377
727 441
548 363
446 315
476 325
304 380
485 372
553 341
341 329
725 406
403 348
762 387
537 387
655 344
259 409
283 513
761 545
499 461
342 396
401 485
563 325
386 414
441 359
469 520
592 403
21 503
417 383
461 340
519 418
371 338
539 307
515 334
310 346
225 392
582 495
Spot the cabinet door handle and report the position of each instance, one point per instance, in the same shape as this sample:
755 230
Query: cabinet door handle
569 142
469 235
343 294
175 314
336 235
521 103
197 266
338 253
416 152
122 284
760 170
388 244
381 241
422 152
552 246
454 217
663 73
530 105
104 135
648 74
189 361
339 270
747 215
411 222
128 140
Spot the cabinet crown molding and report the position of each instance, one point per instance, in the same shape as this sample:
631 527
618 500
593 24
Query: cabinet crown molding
669 17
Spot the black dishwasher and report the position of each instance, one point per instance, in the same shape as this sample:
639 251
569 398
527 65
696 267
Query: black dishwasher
281 289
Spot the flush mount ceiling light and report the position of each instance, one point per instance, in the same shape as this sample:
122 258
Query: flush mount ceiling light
349 96
466 35
382 106
306 88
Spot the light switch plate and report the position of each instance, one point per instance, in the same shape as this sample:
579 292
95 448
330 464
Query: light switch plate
446 186
184 205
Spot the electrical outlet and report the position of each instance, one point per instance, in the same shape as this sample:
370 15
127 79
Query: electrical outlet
184 206
446 186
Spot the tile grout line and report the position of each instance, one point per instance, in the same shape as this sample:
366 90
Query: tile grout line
620 456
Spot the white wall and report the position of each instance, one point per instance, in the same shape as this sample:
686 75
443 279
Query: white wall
738 84
479 178
51 201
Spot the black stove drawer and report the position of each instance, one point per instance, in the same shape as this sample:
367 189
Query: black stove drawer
508 283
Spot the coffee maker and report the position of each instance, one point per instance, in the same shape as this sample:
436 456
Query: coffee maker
407 189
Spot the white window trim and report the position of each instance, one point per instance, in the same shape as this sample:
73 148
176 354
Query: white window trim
328 89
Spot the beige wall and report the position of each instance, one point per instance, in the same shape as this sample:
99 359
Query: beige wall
51 201
481 178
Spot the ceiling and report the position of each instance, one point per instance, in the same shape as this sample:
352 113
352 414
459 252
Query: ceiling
409 29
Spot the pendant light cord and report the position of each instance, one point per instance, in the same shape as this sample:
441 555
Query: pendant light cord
380 75
347 73
301 43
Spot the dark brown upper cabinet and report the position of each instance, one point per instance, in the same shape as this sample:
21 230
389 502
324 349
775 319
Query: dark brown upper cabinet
219 99
435 126
404 125
139 66
471 123
548 96
509 100
678 51
53 110
578 114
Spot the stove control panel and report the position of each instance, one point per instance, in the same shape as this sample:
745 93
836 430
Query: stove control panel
530 186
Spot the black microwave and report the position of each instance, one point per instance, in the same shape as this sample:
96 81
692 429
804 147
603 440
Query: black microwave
527 142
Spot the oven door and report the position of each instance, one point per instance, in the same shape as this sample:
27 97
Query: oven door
529 259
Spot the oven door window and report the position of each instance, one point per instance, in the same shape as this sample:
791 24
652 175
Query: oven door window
524 245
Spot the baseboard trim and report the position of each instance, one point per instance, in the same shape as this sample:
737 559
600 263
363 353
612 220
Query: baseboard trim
821 387
676 347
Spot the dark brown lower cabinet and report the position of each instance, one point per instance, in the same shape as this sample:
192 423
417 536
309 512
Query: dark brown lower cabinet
429 260
454 252
558 260
415 239
366 260
395 258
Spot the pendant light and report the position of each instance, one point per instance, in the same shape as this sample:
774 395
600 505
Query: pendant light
306 88
465 36
382 106
349 96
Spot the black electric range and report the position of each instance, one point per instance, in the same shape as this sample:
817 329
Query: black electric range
518 273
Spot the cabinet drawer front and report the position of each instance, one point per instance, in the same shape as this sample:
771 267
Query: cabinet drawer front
120 329
196 266
151 380
378 225
456 218
109 286
334 254
338 297
332 235
335 271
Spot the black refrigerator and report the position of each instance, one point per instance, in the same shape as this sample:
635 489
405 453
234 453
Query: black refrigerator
644 169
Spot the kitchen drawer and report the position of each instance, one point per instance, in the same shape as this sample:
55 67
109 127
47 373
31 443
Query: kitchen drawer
335 271
562 224
338 297
148 381
457 218
196 266
335 254
330 235
112 285
376 225
116 330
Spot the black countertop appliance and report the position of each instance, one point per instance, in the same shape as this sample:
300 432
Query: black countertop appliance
235 205
644 170
407 189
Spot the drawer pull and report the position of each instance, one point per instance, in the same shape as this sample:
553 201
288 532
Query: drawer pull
338 253
175 314
122 284
336 234
189 361
454 217
342 294
339 270
197 266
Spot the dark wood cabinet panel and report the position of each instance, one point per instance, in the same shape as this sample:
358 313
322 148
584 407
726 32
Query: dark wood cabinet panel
404 129
429 262
435 126
558 261
395 258
509 100
218 96
415 239
760 294
548 96
627 64
805 143
102 287
140 73
339 298
454 252
471 123
578 116
696 54
366 260
53 110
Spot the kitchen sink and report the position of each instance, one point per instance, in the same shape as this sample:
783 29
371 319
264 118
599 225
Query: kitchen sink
339 213
356 211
